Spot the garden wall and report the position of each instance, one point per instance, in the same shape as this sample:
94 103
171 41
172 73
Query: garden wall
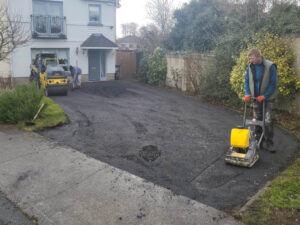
296 48
185 69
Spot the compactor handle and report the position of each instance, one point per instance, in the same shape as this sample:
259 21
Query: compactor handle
253 99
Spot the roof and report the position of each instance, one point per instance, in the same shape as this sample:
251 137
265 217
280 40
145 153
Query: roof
98 41
128 39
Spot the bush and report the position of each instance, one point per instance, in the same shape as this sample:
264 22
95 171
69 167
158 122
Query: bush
20 104
143 68
276 50
215 82
153 68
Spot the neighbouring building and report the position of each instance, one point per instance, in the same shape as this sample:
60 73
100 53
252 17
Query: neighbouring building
80 32
128 43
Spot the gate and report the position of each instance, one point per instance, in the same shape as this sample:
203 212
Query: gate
126 59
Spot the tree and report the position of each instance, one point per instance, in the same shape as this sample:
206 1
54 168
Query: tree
12 33
129 29
150 37
198 26
160 12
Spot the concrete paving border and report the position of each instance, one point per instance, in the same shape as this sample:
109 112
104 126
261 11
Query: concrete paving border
59 185
254 197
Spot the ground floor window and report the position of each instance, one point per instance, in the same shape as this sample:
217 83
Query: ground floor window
62 53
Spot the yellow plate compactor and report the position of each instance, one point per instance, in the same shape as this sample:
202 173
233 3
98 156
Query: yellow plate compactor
243 142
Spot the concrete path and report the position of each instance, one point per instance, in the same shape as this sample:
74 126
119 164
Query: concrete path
58 185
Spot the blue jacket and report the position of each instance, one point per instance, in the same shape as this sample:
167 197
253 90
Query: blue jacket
258 71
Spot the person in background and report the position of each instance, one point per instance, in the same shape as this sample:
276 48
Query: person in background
261 83
75 73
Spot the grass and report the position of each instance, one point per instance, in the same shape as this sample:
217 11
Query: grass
280 203
52 115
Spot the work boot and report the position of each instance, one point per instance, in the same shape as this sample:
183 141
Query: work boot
257 137
269 146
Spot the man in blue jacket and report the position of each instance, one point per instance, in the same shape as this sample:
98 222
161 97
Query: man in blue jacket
261 83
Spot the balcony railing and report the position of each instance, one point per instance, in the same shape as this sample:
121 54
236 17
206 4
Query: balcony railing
48 26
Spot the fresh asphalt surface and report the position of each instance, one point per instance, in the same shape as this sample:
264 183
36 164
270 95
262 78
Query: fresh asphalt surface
10 214
167 138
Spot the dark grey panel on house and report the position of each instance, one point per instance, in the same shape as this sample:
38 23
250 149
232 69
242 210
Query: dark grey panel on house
98 40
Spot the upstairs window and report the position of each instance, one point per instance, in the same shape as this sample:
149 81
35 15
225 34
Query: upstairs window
94 14
47 17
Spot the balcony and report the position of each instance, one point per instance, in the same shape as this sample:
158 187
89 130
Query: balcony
48 27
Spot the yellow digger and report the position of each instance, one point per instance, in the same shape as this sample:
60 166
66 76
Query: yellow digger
50 75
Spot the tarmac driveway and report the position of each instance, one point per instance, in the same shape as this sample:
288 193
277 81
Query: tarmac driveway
169 139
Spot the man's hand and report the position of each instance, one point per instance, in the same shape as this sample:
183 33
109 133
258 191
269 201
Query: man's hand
247 98
260 98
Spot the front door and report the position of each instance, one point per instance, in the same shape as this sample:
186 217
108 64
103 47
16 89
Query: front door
96 65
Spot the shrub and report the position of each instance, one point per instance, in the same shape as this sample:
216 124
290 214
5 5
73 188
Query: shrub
153 68
143 68
276 50
20 104
215 82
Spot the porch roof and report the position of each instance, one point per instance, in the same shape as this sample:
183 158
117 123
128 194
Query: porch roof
98 41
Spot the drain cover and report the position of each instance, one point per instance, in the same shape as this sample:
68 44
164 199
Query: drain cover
150 153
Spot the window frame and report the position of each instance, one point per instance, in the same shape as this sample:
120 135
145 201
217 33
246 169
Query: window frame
48 17
95 23
46 3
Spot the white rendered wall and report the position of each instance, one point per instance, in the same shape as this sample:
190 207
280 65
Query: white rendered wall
77 16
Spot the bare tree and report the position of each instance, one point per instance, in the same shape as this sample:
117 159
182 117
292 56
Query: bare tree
129 29
149 37
161 12
12 33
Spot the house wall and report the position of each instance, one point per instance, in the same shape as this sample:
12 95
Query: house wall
76 13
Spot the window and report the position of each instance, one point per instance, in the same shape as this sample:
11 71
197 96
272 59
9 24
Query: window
47 17
95 15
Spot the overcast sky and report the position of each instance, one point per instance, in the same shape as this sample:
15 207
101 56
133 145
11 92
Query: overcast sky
134 11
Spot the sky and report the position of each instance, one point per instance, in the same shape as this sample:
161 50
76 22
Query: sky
134 11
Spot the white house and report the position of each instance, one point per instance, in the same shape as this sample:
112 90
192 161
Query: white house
80 32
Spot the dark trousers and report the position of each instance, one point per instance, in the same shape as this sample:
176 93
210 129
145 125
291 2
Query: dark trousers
258 114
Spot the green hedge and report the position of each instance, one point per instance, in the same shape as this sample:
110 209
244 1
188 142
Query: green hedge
153 68
20 104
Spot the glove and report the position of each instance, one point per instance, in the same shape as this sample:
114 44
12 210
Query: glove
260 98
247 98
